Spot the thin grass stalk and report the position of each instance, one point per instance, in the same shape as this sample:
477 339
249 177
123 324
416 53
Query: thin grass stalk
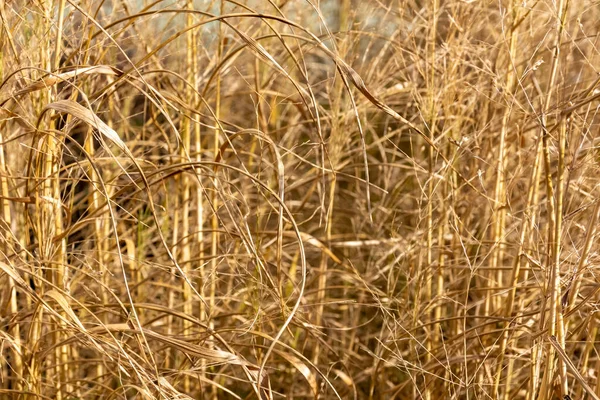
534 204
174 360
200 197
101 232
16 365
100 236
186 137
213 278
33 377
587 353
499 212
199 194
440 269
15 374
529 219
550 284
432 340
52 216
578 272
556 307
335 149
554 227
199 234
34 364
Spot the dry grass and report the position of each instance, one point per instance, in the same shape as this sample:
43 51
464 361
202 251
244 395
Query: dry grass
348 199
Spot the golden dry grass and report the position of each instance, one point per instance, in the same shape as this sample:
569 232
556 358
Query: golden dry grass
372 199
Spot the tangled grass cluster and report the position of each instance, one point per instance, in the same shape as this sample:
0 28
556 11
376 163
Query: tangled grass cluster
344 199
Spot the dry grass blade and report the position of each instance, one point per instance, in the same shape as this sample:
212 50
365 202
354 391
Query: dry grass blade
53 79
302 368
212 355
89 117
10 271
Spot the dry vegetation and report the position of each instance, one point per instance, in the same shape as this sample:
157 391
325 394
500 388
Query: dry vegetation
350 199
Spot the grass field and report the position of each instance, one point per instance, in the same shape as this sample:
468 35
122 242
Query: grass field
378 199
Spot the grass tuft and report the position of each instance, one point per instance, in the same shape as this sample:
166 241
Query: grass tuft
337 200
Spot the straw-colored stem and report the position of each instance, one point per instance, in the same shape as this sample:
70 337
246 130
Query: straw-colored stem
555 326
499 211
